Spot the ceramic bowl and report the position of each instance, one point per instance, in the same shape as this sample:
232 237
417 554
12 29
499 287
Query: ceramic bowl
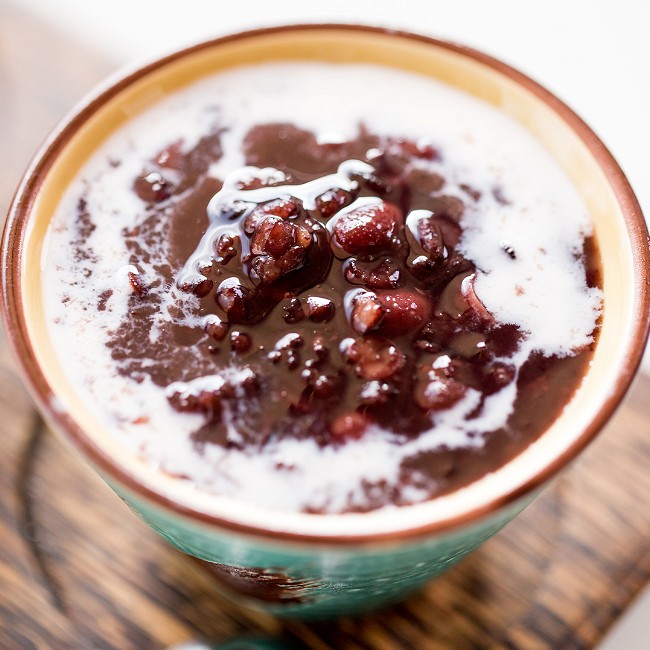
325 565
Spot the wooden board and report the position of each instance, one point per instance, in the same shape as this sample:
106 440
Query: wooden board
78 570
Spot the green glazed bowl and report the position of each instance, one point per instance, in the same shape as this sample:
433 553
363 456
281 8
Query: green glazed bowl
299 564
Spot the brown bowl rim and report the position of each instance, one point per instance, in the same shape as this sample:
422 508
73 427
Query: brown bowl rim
11 298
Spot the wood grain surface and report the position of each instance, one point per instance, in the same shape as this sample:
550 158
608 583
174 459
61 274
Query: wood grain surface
78 570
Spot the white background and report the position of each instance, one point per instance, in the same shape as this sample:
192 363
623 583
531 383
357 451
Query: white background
595 55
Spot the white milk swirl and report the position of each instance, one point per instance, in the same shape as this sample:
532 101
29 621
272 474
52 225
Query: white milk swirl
543 290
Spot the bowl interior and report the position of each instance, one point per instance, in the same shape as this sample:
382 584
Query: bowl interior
573 146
